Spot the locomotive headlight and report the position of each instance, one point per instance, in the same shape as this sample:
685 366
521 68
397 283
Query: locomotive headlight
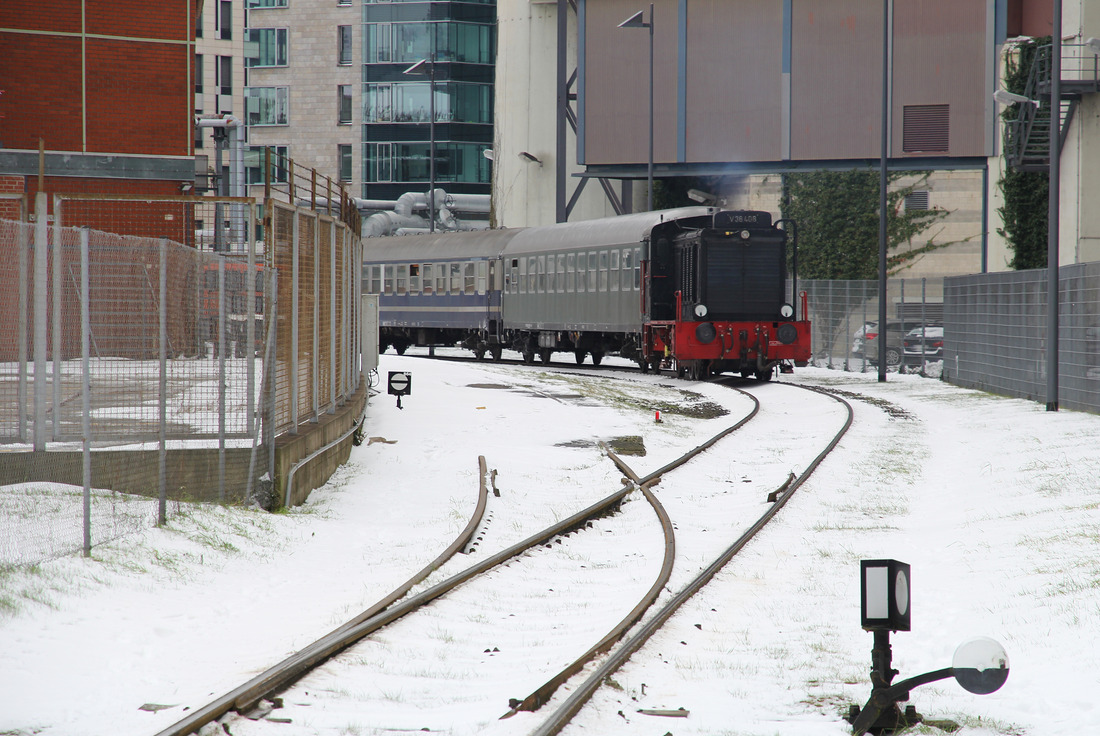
786 311
700 310
745 234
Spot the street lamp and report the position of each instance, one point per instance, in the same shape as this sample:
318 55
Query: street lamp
636 21
418 68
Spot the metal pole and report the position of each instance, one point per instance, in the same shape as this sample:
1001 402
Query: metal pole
882 183
221 378
162 454
1053 206
649 171
431 146
86 390
41 272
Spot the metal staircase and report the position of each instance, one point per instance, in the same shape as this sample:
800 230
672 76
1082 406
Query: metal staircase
1027 136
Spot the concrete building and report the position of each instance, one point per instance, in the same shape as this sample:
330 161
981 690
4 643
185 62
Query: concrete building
745 91
104 89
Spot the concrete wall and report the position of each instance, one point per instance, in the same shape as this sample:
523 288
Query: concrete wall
526 77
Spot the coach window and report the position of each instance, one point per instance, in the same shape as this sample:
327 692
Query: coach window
426 278
637 269
522 276
532 274
389 280
613 274
592 271
627 271
570 272
542 274
414 278
374 280
402 278
581 260
482 277
603 270
561 273
456 278
468 278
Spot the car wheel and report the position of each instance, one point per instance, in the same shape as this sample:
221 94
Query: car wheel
893 356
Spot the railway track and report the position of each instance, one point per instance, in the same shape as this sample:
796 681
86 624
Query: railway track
621 639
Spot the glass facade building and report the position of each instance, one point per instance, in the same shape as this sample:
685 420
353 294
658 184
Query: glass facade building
459 35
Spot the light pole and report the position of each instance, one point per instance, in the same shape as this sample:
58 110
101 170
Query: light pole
418 68
637 21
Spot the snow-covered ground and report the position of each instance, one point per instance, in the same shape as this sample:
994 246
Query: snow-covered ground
995 503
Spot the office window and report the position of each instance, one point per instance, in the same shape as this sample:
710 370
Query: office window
343 41
251 4
224 71
343 2
343 153
254 164
343 104
198 73
266 105
224 20
271 47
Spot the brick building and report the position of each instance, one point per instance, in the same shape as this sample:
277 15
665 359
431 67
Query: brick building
106 90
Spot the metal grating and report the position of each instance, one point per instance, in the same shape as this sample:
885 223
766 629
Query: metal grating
925 129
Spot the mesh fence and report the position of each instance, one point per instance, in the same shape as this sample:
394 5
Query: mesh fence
844 317
157 365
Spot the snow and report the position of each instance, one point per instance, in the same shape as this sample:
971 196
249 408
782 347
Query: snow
994 503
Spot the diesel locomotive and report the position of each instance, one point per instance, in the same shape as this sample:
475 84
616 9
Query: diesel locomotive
695 289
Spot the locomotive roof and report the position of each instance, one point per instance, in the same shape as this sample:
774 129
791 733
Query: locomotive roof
607 231
438 246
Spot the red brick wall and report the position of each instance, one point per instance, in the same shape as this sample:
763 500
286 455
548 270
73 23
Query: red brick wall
139 94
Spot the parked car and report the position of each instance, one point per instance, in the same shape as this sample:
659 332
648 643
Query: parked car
895 335
926 342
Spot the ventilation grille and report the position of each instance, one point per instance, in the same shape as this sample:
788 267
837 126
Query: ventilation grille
925 129
917 200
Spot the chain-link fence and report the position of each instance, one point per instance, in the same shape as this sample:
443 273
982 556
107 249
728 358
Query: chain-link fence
135 370
996 339
844 316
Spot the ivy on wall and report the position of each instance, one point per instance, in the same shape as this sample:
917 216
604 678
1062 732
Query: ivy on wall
1026 193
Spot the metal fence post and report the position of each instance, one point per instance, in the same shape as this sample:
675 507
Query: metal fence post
41 266
295 247
24 318
221 377
333 345
250 326
162 430
86 389
57 336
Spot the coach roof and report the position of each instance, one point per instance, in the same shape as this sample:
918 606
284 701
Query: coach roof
440 246
604 232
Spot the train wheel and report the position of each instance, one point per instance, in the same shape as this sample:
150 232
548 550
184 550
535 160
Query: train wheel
528 356
496 351
580 355
596 358
765 375
681 371
544 355
643 364
479 354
